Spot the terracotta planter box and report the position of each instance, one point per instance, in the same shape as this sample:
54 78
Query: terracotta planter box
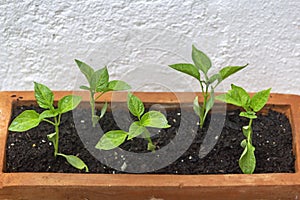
139 186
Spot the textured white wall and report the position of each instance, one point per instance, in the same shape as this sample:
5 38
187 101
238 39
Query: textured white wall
138 39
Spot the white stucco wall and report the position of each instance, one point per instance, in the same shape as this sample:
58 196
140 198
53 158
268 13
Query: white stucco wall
138 39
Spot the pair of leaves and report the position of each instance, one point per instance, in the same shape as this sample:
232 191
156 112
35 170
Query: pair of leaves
239 97
95 78
44 97
99 80
155 119
203 63
199 110
29 119
75 162
192 70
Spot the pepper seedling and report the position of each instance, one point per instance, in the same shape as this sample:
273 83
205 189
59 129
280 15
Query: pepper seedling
202 64
155 119
239 97
99 84
29 119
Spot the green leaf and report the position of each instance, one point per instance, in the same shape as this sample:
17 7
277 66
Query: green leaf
213 78
197 108
135 130
99 79
228 71
44 96
236 96
86 70
247 160
104 77
154 119
103 110
228 99
247 131
68 103
249 115
48 114
201 60
52 138
84 88
116 85
151 147
240 95
25 121
209 103
187 69
259 100
135 105
75 162
111 139
244 143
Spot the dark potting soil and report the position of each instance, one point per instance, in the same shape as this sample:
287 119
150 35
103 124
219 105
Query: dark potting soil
182 149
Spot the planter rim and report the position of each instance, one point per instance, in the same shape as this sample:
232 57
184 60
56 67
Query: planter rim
140 180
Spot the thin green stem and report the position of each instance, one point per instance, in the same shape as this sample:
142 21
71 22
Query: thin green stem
202 88
250 133
57 122
148 138
205 96
48 121
206 77
59 118
92 103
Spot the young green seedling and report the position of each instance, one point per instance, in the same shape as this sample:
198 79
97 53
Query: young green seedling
202 64
30 119
155 119
239 97
99 84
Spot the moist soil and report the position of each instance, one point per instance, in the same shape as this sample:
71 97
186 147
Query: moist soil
215 149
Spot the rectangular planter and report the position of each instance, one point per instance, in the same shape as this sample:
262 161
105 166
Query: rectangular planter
140 186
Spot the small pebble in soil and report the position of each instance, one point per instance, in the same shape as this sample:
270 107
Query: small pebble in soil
124 166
